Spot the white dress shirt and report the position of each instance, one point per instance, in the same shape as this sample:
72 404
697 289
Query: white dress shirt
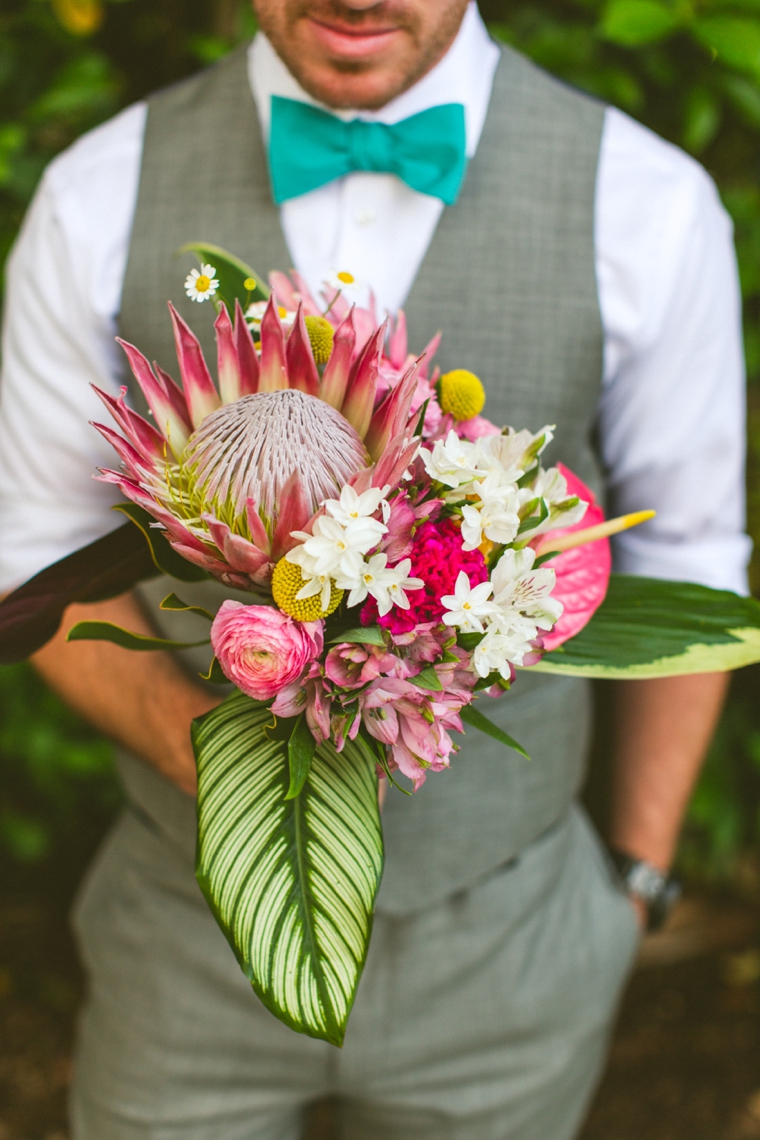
671 413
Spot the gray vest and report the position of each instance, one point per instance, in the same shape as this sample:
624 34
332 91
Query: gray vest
509 277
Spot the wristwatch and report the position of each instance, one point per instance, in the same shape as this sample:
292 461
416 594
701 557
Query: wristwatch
641 880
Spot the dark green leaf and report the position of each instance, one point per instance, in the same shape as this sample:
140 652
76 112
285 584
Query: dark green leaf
734 39
301 749
635 22
107 631
475 718
292 883
175 605
427 678
363 635
647 627
231 272
164 556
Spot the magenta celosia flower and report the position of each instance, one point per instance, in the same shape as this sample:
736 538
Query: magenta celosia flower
260 649
437 558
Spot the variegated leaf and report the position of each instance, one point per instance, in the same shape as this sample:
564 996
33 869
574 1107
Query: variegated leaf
292 883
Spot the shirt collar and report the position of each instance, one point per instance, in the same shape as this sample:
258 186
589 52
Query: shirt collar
464 75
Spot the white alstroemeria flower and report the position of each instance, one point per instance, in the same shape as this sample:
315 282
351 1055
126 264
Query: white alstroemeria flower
350 506
452 462
398 581
467 605
494 516
514 450
201 283
520 592
497 651
551 485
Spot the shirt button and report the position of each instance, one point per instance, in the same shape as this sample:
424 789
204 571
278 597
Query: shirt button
365 217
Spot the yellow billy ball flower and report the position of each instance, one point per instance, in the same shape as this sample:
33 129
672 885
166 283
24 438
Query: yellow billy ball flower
461 394
321 338
249 284
287 580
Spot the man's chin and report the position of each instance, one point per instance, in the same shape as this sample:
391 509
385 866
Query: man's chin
351 85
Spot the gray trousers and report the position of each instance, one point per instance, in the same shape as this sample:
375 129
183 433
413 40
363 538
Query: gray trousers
482 1018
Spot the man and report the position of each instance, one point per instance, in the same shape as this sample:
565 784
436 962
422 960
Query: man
584 269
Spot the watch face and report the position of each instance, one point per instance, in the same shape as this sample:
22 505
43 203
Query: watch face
645 881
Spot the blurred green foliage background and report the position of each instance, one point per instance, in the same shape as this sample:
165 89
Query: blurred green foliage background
690 69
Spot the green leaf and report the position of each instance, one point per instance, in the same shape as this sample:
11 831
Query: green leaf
427 678
735 40
165 558
701 120
107 631
647 627
301 749
367 635
292 883
231 272
635 22
175 605
475 718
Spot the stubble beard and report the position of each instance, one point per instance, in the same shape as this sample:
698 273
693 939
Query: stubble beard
425 49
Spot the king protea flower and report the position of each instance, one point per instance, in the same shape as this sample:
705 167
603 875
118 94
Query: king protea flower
229 470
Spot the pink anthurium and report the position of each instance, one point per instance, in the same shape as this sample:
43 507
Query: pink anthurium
583 573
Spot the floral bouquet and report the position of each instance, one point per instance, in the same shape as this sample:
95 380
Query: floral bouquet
404 555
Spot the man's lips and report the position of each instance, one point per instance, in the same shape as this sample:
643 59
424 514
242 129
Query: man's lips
351 41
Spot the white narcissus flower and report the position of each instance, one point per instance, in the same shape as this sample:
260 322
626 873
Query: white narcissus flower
201 283
350 506
451 462
520 592
372 579
332 547
467 605
398 581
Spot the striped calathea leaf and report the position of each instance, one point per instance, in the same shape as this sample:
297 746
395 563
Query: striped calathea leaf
291 881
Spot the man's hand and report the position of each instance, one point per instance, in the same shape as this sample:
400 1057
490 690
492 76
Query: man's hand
663 729
141 700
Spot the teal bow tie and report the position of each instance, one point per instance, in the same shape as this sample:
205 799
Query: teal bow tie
309 148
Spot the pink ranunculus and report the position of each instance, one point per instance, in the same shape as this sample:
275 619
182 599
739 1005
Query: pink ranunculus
262 650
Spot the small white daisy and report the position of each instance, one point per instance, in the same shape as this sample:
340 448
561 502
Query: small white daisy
345 283
201 283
